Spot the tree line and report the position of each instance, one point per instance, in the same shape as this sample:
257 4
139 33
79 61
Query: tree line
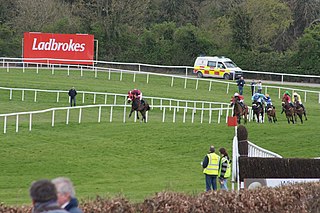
265 35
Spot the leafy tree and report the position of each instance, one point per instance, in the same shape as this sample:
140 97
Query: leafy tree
308 55
241 25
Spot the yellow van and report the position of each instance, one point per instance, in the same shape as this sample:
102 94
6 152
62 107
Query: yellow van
214 66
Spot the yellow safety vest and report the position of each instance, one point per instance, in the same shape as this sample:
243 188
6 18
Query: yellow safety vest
213 164
228 172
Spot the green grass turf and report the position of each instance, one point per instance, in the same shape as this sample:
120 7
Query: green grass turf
132 159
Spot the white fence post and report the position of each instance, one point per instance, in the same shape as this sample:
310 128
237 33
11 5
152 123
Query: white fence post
37 69
52 120
197 84
81 71
124 113
30 121
163 114
8 69
83 97
35 96
58 94
210 85
172 81
52 72
17 123
10 96
80 115
134 77
115 100
68 70
174 115
135 116
95 73
192 117
22 95
111 110
99 114
109 75
121 75
105 98
148 78
184 115
5 125
228 85
94 98
67 119
185 83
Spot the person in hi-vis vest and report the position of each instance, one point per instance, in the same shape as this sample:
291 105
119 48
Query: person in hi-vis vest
225 169
210 166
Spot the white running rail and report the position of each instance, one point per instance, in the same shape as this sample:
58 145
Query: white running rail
125 108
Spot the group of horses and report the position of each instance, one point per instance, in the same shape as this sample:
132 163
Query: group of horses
291 111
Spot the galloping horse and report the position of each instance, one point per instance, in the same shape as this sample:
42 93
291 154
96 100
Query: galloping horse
138 106
257 111
289 110
299 111
239 111
271 112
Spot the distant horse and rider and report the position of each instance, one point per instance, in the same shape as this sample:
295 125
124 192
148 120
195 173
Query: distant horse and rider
288 107
270 109
257 106
299 107
138 104
239 108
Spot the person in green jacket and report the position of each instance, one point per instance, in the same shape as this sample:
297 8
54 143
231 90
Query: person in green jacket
224 169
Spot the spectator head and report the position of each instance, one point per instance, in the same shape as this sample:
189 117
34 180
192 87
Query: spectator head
223 151
42 191
211 149
65 190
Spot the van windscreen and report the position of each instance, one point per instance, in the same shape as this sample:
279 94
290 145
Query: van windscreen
230 64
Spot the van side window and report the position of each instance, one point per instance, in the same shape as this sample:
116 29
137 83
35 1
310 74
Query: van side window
212 63
221 66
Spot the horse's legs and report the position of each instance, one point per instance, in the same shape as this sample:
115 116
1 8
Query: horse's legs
130 113
143 113
305 115
138 115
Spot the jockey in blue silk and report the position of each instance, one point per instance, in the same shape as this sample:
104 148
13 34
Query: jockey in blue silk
258 97
268 101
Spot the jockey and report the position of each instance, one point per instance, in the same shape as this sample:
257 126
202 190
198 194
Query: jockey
287 96
260 98
237 97
269 102
135 93
296 97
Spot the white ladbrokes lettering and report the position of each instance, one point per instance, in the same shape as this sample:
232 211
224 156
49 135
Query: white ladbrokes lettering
52 45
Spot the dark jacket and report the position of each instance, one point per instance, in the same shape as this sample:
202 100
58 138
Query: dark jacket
72 206
48 207
241 83
72 93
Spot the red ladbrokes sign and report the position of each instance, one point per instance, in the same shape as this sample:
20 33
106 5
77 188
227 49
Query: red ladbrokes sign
72 48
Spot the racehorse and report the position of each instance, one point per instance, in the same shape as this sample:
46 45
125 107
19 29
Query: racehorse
289 110
140 106
271 112
299 111
257 111
239 111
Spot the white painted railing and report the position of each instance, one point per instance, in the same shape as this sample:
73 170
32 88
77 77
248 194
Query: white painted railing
139 66
8 63
124 116
117 98
256 151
